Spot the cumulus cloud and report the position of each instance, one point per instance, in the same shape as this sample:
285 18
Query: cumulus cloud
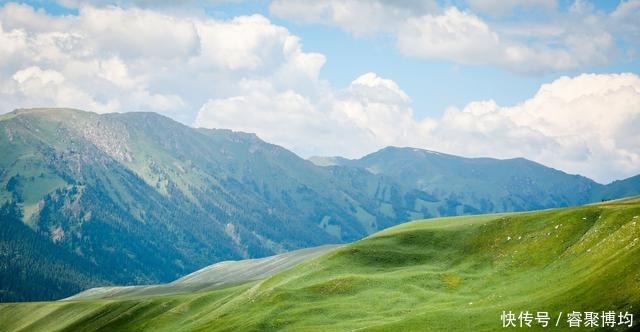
455 35
371 113
584 124
282 117
567 40
35 87
360 17
378 107
121 59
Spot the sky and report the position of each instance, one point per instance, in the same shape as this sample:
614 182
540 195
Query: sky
553 81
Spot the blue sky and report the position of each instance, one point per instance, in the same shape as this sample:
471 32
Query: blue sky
553 81
433 84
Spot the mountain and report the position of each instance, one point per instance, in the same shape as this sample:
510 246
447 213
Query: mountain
478 185
448 274
144 199
620 188
137 198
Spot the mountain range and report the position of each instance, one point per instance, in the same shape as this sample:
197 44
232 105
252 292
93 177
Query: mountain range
136 198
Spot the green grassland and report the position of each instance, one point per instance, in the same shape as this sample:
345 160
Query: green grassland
446 274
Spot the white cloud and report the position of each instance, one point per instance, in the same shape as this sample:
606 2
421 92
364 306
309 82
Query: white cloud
248 42
583 124
121 59
13 45
299 65
359 17
35 87
379 108
282 117
137 33
377 89
455 35
533 44
466 38
369 114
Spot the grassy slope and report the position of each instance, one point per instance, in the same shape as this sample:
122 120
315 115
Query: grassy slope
222 274
443 274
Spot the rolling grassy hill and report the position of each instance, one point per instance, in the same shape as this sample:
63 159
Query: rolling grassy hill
214 276
447 274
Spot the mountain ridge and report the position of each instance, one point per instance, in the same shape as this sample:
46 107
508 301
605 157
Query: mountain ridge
401 169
